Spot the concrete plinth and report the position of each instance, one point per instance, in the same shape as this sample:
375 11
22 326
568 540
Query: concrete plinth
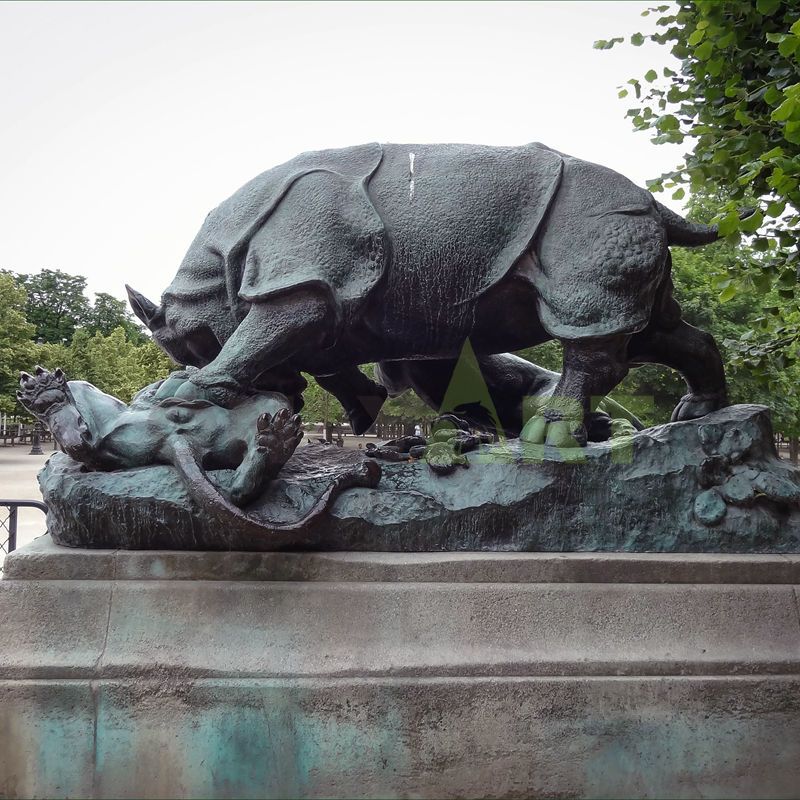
163 674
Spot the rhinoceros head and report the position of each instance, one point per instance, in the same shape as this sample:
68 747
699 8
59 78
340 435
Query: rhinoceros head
189 344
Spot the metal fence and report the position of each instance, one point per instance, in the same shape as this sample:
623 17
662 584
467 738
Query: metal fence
9 510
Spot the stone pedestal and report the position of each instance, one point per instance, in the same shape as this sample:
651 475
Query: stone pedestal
249 675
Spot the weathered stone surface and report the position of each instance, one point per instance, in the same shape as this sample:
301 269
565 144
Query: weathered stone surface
351 684
709 485
43 560
500 738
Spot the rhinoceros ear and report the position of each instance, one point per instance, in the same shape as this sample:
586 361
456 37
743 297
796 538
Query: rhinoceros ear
145 309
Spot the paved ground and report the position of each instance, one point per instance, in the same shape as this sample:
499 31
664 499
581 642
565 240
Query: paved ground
18 482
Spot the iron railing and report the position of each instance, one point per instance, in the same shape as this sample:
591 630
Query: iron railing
8 524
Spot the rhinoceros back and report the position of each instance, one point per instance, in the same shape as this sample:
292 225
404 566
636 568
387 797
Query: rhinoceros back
457 218
438 224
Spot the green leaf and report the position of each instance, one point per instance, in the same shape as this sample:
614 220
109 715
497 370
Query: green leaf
727 294
788 279
767 7
752 223
715 66
729 224
762 282
725 41
702 52
622 93
603 44
720 156
784 111
788 46
637 40
773 96
679 194
776 152
775 209
668 123
795 29
650 75
696 37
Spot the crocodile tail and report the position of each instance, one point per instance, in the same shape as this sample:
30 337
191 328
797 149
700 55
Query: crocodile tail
203 491
683 233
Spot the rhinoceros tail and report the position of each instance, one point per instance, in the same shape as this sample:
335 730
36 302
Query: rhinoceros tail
683 233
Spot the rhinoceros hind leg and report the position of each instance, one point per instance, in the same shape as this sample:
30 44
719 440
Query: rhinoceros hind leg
359 395
694 354
592 368
511 382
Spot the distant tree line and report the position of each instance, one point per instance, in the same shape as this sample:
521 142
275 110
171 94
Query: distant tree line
46 318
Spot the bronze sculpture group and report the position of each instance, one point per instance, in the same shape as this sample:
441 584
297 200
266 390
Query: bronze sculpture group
397 255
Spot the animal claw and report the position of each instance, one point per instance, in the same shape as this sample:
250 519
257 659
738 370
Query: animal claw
263 421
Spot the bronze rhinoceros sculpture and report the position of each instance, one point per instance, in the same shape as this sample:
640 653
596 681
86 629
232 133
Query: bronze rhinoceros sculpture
397 254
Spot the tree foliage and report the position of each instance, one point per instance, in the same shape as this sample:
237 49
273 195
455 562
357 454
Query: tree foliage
16 347
109 313
57 303
112 363
47 319
57 306
320 406
735 98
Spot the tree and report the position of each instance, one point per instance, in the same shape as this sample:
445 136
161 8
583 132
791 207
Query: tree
108 313
56 305
736 98
112 363
321 406
16 348
406 410
120 368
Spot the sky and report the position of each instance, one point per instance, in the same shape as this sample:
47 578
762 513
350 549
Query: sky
123 124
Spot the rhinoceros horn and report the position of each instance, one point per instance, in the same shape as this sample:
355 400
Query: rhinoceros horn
145 309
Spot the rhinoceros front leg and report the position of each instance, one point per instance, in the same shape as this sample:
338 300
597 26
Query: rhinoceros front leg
592 368
273 331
